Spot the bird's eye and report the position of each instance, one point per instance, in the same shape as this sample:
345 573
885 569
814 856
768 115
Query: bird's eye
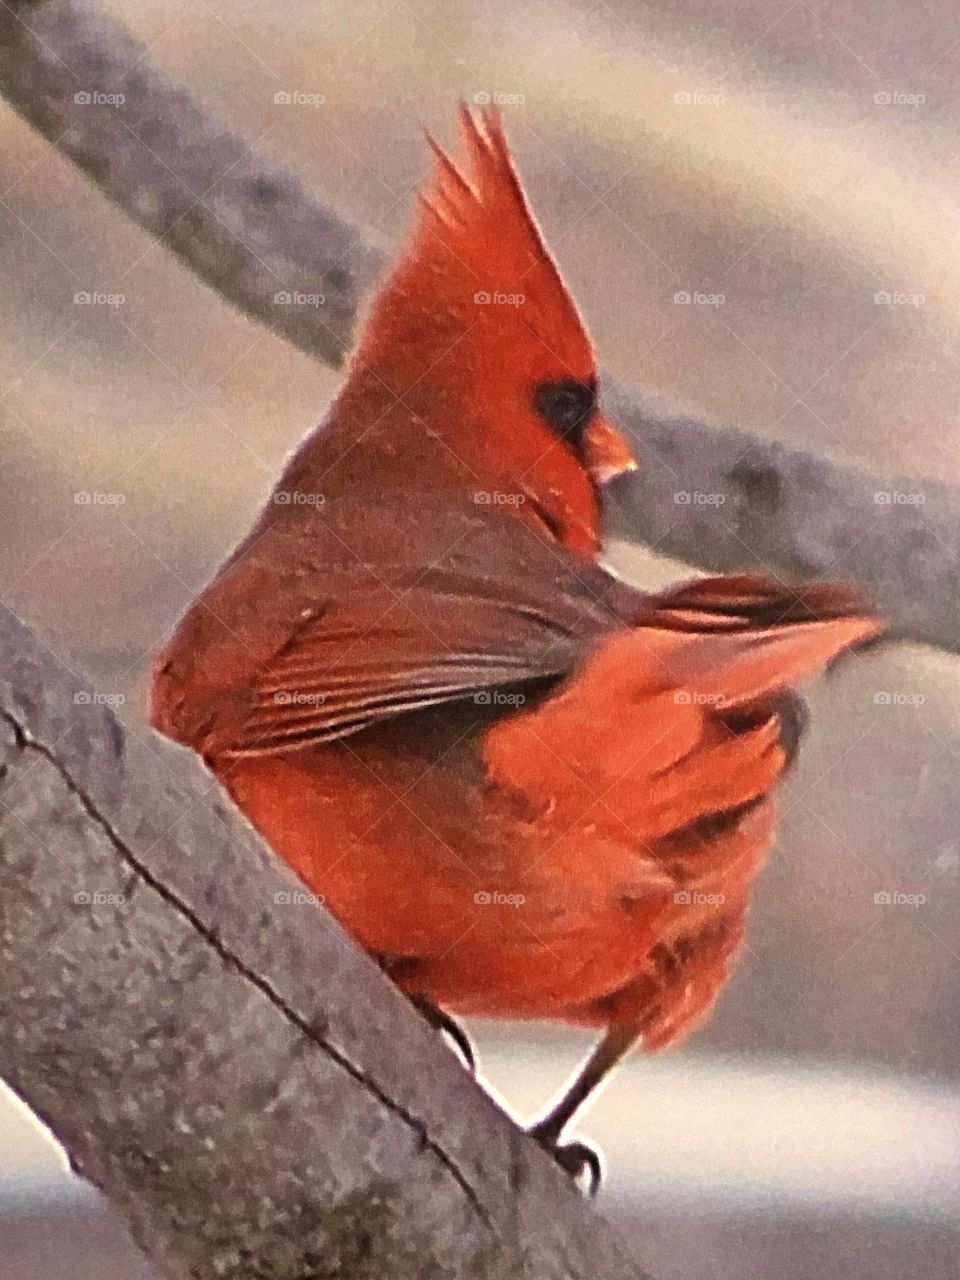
567 405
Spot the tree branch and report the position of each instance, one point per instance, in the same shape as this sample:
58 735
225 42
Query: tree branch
212 1050
721 499
256 232
246 226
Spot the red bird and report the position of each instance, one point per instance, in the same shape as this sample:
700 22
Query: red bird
528 789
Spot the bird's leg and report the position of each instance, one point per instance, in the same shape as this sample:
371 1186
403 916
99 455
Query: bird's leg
576 1158
441 1021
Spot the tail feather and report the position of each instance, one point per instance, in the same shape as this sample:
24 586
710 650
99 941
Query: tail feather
746 602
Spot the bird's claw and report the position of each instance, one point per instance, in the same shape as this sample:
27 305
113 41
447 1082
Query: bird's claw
441 1021
463 1042
579 1161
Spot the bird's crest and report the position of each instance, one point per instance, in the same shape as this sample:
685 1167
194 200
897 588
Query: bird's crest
482 214
478 264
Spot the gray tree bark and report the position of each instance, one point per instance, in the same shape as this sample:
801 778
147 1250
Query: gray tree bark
251 231
213 1051
246 226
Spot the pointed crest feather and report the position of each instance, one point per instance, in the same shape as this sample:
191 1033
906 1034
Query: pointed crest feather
476 241
482 214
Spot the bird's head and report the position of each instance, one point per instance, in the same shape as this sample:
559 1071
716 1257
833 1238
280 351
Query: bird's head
476 335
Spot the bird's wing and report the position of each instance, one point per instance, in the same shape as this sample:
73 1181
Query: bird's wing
272 659
379 653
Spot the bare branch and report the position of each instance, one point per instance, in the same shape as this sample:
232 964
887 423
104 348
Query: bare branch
211 1049
246 226
726 501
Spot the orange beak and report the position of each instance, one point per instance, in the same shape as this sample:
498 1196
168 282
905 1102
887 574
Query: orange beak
607 453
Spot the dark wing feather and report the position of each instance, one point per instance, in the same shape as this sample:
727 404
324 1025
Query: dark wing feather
281 653
380 654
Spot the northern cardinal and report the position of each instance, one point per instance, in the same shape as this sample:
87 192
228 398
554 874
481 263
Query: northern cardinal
530 790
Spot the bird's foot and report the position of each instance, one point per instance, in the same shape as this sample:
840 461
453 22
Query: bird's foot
581 1162
441 1021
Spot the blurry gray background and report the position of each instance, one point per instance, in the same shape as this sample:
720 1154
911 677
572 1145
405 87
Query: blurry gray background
797 159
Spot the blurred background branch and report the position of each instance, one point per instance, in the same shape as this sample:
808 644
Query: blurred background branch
212 1051
161 157
727 501
719 498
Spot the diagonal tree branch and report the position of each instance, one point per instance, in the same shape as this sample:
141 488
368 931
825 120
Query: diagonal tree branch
246 226
211 1049
252 231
